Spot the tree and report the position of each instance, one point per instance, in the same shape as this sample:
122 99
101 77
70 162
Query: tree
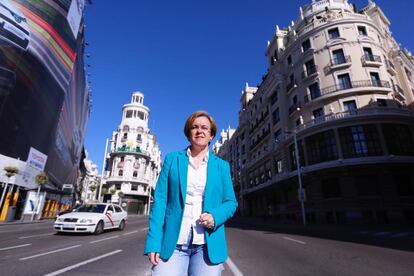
92 188
121 194
10 171
112 191
40 179
104 191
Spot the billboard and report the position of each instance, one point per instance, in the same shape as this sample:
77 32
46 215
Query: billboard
44 99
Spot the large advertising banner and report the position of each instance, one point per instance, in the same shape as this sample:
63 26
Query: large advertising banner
44 99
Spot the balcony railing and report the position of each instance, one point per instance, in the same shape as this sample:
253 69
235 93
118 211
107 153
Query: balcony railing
390 67
340 60
355 84
398 92
373 111
131 150
368 59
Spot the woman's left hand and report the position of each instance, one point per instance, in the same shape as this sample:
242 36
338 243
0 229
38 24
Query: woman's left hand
207 220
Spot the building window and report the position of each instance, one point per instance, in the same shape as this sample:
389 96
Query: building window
367 185
125 128
350 106
118 186
135 174
338 57
293 155
125 135
404 184
289 60
279 168
362 30
382 102
128 114
344 81
321 147
375 79
368 54
306 45
331 188
333 33
359 141
399 139
120 173
318 113
139 138
276 116
274 98
134 187
314 90
310 67
277 136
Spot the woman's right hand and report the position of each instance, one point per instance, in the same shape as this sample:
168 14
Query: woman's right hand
154 257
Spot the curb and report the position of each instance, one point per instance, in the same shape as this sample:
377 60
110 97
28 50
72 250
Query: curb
24 222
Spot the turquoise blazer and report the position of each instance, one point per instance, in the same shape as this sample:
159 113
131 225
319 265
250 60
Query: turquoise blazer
169 201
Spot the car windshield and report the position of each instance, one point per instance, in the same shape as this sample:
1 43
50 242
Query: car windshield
91 208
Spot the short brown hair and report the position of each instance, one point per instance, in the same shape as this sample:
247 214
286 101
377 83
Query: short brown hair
200 113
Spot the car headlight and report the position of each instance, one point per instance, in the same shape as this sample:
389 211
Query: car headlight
85 221
58 219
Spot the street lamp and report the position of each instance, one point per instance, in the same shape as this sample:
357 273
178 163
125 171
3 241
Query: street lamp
100 196
299 173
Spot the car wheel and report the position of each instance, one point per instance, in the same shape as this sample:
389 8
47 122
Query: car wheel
121 226
99 228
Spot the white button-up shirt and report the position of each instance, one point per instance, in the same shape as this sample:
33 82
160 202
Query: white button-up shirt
196 183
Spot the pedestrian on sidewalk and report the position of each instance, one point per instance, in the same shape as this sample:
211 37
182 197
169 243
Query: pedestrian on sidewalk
193 199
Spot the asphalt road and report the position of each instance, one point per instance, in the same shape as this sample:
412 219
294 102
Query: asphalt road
254 249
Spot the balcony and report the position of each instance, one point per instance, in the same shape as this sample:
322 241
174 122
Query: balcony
399 93
371 60
309 72
355 84
131 150
390 67
339 62
364 112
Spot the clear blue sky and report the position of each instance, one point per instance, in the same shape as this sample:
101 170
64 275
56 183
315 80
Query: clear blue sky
187 55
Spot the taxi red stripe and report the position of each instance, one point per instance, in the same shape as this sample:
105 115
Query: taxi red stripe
110 219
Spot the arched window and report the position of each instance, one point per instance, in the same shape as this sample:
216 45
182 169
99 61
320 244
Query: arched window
120 173
125 128
135 174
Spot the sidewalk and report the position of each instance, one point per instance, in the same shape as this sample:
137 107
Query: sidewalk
16 222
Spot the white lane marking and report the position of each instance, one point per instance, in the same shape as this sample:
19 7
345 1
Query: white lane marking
63 270
397 235
129 233
113 237
298 241
17 246
49 252
233 267
146 228
32 236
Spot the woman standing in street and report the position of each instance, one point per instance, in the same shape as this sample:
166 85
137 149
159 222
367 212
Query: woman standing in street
193 199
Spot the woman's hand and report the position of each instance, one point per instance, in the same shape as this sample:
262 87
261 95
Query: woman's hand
207 220
154 257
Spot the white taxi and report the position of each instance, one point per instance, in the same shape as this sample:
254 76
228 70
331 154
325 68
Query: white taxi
92 218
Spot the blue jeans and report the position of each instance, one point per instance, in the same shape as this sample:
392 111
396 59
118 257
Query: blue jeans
192 260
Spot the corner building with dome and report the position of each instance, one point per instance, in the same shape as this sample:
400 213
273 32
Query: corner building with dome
134 159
